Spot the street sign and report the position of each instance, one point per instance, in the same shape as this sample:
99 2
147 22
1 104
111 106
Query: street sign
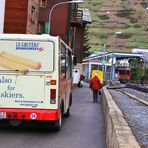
103 62
114 60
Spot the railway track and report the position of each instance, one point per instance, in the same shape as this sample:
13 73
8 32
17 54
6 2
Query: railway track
137 87
133 104
134 97
132 93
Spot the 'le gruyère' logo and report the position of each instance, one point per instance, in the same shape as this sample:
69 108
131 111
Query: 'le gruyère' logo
28 46
5 80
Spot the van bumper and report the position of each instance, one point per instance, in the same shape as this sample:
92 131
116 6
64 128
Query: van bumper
29 114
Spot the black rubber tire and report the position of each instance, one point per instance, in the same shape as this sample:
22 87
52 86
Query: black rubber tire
67 114
58 124
15 123
70 103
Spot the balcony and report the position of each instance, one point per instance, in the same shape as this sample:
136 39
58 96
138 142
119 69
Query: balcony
76 17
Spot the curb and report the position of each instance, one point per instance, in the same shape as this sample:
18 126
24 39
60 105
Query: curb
118 132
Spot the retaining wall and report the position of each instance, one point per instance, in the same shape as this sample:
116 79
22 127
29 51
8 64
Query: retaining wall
118 132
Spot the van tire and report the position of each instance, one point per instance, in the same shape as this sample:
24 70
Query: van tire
67 114
70 99
15 123
58 124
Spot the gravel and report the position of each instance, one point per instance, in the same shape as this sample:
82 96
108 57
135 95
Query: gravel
135 113
137 93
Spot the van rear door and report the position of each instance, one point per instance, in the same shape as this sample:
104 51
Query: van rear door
24 65
22 91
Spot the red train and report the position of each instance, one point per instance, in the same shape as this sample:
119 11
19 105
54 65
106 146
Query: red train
124 74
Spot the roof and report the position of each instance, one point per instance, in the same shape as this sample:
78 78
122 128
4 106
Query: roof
117 55
127 55
141 51
31 37
145 56
86 15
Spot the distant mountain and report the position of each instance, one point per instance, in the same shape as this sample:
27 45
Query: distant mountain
110 16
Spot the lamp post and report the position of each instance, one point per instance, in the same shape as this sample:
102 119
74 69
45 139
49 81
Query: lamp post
113 61
104 62
61 3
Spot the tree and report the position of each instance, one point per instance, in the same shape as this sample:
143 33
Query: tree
87 46
137 70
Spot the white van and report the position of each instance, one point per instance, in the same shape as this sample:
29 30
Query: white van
35 78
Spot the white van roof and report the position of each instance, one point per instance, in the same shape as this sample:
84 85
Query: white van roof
28 37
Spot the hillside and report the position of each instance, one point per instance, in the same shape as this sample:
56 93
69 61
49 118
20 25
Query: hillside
110 16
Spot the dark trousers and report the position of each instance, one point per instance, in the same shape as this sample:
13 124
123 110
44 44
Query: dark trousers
95 95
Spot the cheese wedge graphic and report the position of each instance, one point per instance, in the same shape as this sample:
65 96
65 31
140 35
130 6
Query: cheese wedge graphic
12 65
20 60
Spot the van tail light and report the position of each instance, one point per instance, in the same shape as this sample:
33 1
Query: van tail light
53 82
53 96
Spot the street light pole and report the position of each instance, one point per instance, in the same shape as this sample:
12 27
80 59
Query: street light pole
61 3
113 62
104 62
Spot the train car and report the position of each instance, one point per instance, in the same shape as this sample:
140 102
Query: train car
124 74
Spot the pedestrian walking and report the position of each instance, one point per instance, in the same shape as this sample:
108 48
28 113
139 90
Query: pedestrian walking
81 81
95 86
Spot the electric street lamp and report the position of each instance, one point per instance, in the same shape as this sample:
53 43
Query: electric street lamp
113 60
61 3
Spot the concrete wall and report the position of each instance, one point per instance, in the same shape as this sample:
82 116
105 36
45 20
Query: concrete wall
2 12
118 132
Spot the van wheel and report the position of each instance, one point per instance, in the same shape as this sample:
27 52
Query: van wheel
67 114
70 98
15 122
58 123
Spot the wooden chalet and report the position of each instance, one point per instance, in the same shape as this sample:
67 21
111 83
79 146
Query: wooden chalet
21 16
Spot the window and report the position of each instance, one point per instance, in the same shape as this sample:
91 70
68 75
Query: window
43 3
33 14
65 62
94 67
68 64
41 28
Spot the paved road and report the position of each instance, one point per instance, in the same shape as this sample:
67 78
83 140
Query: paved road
83 129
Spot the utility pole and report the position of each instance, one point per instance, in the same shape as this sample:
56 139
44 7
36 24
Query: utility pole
112 62
104 62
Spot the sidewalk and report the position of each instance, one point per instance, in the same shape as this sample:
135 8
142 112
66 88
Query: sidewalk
89 117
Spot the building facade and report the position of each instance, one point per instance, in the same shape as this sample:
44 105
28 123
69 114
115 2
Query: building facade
64 20
58 23
21 16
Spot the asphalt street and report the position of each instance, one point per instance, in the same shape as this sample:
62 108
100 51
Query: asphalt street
83 129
